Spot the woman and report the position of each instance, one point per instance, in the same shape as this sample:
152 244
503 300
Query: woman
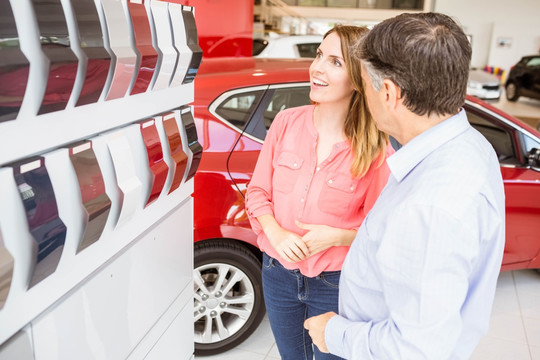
319 172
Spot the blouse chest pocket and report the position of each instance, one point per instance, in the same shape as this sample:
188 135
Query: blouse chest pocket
286 172
338 194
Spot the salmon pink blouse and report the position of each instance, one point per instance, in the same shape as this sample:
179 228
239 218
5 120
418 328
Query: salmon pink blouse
288 184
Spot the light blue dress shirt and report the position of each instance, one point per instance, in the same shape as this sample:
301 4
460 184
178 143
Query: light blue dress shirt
420 277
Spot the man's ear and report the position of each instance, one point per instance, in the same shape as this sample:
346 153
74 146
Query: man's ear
392 93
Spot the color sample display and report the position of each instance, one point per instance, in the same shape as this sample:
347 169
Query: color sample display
48 231
6 271
55 44
180 43
192 139
193 43
119 40
169 57
143 40
156 162
95 201
14 67
98 60
126 177
178 155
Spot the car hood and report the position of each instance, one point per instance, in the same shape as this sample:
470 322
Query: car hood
483 77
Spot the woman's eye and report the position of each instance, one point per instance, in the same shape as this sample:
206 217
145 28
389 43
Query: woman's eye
337 63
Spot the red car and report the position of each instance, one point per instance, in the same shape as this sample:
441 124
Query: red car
235 102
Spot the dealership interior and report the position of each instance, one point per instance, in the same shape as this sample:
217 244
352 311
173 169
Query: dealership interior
129 137
515 323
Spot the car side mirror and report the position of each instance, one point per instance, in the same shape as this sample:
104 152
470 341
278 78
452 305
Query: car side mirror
534 158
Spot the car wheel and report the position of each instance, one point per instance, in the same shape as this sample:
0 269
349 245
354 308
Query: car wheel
228 300
512 93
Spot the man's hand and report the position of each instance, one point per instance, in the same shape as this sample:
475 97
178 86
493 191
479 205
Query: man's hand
316 326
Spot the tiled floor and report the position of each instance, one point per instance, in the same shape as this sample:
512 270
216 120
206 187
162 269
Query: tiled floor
514 332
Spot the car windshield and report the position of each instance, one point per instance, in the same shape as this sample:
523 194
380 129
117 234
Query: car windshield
534 62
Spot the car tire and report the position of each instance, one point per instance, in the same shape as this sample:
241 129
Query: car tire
512 92
228 301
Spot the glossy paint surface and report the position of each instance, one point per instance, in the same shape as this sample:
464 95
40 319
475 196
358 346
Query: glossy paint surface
178 155
143 41
48 231
193 142
14 67
91 40
55 44
180 43
6 271
119 40
156 162
165 42
95 201
129 184
193 44
229 158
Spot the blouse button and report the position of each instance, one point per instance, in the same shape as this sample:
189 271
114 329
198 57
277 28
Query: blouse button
352 188
330 181
295 164
302 200
318 168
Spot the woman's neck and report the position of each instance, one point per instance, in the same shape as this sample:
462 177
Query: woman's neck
330 121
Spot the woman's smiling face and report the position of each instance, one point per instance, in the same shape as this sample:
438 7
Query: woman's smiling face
328 73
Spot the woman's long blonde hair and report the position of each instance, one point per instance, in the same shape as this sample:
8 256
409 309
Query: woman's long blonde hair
368 143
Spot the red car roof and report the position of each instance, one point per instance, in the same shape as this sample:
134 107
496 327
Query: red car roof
217 75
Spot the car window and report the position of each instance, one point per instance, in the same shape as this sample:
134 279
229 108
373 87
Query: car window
530 143
500 138
534 62
284 98
258 46
237 108
307 50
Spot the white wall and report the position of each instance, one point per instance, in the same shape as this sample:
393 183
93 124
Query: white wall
485 20
488 21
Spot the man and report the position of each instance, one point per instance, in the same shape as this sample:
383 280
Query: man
420 277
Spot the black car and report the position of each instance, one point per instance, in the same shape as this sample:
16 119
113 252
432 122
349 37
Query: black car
524 79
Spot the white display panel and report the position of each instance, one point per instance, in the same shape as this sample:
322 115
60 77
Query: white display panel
119 284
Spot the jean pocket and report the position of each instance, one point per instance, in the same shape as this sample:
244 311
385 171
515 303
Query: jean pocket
330 278
268 261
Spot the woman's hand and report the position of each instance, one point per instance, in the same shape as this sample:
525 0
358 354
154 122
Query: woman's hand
321 237
289 246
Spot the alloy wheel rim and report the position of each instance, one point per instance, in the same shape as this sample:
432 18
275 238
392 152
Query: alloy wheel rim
223 301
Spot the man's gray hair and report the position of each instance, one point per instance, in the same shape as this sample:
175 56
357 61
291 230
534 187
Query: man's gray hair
375 76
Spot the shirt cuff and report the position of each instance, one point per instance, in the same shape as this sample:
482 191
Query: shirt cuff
334 335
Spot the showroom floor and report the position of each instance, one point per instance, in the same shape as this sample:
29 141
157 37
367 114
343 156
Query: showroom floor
514 329
515 322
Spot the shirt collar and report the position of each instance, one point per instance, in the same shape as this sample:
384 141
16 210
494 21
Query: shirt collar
412 153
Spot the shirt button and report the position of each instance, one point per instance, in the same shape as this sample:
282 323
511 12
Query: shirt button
318 168
352 188
295 164
302 200
330 181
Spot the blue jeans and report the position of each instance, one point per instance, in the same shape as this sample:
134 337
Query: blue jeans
291 298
